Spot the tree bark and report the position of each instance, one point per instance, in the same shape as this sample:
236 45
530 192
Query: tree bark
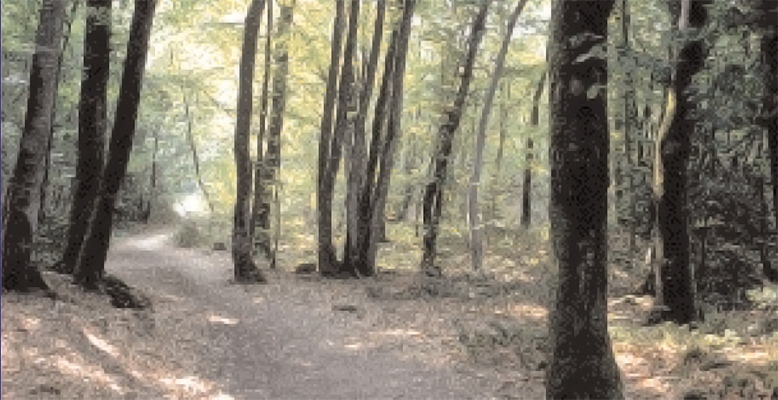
582 364
677 300
272 157
245 268
195 156
22 201
433 196
476 234
526 189
259 167
327 261
92 125
94 250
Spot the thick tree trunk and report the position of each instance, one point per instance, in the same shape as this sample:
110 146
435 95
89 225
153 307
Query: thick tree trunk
433 195
769 54
474 218
677 298
326 180
356 178
245 268
92 125
91 260
272 158
263 109
22 201
582 364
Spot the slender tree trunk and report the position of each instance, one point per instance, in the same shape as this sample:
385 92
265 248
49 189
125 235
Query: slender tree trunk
582 364
152 179
195 156
60 59
272 157
94 250
630 116
356 177
325 183
259 167
92 125
433 196
476 235
526 189
245 268
675 141
769 54
22 201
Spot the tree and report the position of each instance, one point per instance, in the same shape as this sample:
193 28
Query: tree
768 15
388 111
272 157
476 237
245 268
526 187
263 108
433 195
582 364
92 124
22 202
326 180
90 267
675 295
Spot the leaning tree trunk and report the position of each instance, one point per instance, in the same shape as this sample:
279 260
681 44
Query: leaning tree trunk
769 53
22 201
94 250
245 268
326 181
433 195
263 108
372 207
92 124
582 364
271 161
677 290
356 177
474 218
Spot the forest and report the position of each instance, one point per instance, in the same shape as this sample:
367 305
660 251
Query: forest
299 199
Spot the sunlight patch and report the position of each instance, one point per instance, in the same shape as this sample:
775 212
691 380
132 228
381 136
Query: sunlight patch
101 344
190 383
222 320
153 242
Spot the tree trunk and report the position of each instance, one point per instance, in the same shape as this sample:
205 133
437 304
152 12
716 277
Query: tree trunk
92 125
356 178
195 156
433 196
476 234
582 364
677 298
526 188
94 250
326 181
245 268
22 201
630 116
769 54
259 167
272 157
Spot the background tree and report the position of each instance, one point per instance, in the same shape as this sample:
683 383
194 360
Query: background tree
22 204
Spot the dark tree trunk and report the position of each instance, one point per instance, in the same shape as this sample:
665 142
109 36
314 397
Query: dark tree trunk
94 250
769 54
677 298
474 217
195 156
22 201
433 195
245 268
271 161
353 244
394 112
92 125
259 167
326 181
582 364
526 189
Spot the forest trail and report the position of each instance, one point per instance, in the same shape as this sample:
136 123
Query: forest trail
287 339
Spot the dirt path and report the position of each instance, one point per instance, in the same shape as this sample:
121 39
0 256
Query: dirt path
287 339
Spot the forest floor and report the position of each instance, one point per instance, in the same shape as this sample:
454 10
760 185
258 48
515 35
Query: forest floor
394 336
